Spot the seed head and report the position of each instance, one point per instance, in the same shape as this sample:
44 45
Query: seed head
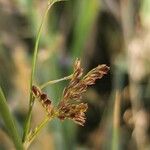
70 106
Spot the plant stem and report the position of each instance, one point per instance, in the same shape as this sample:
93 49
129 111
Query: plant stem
36 132
55 81
31 102
116 122
9 122
54 1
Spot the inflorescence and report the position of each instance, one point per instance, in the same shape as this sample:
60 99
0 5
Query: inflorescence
70 105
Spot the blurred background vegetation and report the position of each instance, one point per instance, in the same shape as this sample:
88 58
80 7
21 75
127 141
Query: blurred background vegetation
114 32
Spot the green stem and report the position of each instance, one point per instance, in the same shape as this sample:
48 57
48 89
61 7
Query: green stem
36 132
31 102
54 1
55 81
9 122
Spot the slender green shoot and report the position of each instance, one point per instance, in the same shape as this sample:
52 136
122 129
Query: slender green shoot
31 102
116 122
37 130
9 122
54 1
55 81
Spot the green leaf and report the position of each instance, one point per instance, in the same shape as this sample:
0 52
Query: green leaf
86 12
9 122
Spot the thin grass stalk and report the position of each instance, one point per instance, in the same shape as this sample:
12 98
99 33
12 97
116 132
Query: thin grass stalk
34 134
9 122
116 122
31 102
55 81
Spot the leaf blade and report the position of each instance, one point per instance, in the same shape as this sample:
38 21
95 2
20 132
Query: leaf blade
9 122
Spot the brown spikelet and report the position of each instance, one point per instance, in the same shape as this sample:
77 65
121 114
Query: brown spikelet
43 98
36 91
78 71
75 112
96 73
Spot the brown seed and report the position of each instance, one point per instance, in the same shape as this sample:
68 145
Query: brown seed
36 91
43 97
61 117
66 110
72 115
47 103
104 68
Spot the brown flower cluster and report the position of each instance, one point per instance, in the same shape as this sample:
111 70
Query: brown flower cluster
43 99
78 85
75 112
70 106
